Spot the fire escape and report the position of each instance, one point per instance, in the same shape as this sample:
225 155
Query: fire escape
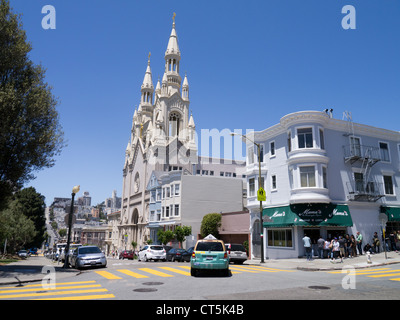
362 187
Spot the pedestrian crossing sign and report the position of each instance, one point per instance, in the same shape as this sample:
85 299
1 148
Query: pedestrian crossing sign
261 195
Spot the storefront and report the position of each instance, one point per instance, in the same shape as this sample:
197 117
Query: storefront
393 222
286 226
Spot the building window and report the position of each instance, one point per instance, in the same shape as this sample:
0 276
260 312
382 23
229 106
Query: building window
388 182
176 212
211 173
252 187
307 176
384 150
221 174
153 196
158 215
261 153
167 211
321 139
251 155
273 182
168 192
177 190
280 238
272 148
324 178
289 141
305 138
355 146
158 194
204 172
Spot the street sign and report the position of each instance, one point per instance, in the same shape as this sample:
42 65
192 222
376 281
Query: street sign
261 195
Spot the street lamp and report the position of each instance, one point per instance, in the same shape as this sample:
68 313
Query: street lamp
259 186
75 190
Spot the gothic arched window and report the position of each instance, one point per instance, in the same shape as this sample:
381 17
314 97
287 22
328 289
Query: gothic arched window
174 121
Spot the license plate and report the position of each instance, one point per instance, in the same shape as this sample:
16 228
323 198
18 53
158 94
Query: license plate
92 262
209 257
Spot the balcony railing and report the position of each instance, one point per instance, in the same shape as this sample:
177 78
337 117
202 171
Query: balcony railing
361 191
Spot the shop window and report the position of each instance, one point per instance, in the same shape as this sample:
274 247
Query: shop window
280 238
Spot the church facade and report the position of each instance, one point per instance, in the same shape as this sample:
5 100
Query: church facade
162 138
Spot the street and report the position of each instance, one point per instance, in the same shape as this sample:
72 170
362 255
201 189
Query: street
171 281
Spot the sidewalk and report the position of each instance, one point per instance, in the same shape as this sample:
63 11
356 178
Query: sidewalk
325 264
30 270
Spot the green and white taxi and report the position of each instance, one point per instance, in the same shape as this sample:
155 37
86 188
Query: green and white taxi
209 254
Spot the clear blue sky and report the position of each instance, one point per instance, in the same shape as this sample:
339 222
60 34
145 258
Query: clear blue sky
248 64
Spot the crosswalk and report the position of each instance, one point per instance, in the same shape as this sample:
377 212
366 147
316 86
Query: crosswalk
378 273
80 290
168 272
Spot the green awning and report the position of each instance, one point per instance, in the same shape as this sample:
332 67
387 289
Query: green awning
393 213
316 214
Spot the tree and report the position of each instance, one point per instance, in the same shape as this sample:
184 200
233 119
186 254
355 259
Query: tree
30 133
15 227
181 232
33 206
210 225
165 236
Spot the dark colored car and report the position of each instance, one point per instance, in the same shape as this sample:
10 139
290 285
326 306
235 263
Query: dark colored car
127 254
187 254
175 254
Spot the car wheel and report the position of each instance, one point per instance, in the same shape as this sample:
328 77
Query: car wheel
145 258
172 259
193 272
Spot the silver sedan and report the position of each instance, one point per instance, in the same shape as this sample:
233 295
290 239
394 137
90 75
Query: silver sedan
87 256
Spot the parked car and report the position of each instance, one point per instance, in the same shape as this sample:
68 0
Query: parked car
152 252
127 254
175 254
187 254
88 256
237 252
23 254
33 251
167 248
209 254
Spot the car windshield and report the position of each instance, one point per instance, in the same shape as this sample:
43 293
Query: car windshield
86 250
210 246
237 247
156 248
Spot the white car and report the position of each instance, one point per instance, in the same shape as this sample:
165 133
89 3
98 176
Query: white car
152 252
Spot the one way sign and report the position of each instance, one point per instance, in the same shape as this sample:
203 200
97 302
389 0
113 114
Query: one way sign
261 195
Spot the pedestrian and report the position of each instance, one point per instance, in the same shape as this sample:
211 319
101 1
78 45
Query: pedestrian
359 240
326 248
348 246
307 247
335 250
392 242
353 246
376 243
320 244
342 244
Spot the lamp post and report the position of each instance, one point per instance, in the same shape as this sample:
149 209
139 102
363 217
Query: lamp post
75 190
259 186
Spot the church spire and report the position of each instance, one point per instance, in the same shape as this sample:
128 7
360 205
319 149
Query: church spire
172 59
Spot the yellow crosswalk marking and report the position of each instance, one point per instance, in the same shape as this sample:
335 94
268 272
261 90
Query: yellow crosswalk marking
273 269
176 271
54 293
132 274
384 275
90 297
56 284
49 289
243 270
257 269
108 275
155 272
364 271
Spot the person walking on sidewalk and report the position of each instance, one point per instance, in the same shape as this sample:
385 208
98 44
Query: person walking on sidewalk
335 250
307 247
359 242
320 244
